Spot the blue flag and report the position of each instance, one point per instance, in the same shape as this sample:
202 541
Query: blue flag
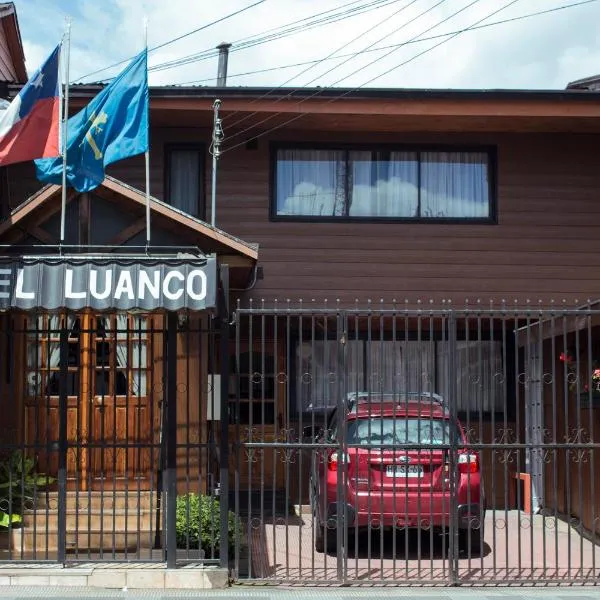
113 126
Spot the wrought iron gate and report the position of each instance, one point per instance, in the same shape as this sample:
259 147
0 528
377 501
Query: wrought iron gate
416 446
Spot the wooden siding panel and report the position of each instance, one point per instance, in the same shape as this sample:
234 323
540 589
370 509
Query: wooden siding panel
7 68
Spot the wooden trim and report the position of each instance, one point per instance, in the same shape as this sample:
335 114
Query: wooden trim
40 234
26 209
234 260
173 215
126 234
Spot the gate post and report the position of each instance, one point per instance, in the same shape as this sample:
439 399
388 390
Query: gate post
62 441
224 416
171 441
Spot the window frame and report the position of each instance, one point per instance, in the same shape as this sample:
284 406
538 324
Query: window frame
201 149
490 150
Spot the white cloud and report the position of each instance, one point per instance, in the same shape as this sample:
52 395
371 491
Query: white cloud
542 52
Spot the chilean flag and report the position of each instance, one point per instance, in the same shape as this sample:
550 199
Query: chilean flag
30 126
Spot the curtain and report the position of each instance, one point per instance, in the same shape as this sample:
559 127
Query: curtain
384 184
454 184
311 182
184 180
317 372
400 366
479 375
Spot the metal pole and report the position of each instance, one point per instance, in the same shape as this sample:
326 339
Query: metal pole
65 116
62 441
216 152
147 154
224 549
171 441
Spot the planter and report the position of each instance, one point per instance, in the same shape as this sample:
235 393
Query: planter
586 399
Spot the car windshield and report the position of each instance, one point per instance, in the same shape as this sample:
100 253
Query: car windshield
400 431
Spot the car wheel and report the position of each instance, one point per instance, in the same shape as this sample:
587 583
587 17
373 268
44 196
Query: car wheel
471 541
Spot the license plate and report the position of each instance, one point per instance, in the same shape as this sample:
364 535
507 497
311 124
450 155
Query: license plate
404 471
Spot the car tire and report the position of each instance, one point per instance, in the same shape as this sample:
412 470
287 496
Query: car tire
471 541
322 545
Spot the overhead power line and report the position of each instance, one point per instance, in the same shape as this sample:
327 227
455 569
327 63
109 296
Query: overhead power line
381 48
300 26
344 94
176 39
331 54
417 36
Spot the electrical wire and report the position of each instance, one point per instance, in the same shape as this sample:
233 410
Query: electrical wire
363 33
172 41
380 48
430 28
344 94
280 33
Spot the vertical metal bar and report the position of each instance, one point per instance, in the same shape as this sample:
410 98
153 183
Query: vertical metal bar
224 437
62 443
171 440
342 437
452 400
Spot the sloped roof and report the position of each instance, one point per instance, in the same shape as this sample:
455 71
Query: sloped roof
215 239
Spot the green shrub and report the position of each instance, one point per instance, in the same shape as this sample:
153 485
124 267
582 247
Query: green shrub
199 524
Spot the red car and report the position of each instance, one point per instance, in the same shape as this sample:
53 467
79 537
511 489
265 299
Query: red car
393 475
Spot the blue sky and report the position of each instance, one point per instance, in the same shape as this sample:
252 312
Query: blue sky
546 51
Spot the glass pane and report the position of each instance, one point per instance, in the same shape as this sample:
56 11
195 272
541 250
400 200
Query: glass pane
479 375
121 355
121 383
454 184
184 179
102 383
34 355
384 184
140 359
103 354
138 385
401 430
34 383
317 378
122 325
139 327
400 366
311 182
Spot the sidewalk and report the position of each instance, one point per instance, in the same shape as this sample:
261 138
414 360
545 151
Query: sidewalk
325 593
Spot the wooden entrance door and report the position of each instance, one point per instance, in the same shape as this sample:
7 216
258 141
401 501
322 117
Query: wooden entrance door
121 412
111 421
258 413
42 336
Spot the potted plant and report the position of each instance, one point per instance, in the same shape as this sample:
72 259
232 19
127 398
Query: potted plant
19 485
586 385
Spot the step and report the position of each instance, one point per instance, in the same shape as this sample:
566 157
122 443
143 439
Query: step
94 500
42 541
82 520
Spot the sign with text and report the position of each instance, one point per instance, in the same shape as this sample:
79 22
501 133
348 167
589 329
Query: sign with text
75 283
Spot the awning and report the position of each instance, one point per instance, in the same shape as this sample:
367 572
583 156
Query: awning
108 283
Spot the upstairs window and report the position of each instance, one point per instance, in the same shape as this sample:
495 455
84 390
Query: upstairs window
403 184
185 179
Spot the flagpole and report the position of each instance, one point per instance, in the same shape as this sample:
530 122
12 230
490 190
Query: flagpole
65 117
148 150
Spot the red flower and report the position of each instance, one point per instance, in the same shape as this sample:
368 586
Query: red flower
565 357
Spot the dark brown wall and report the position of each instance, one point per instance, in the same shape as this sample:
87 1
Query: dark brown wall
546 244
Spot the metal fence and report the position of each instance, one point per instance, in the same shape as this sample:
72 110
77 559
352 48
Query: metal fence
416 446
108 438
302 445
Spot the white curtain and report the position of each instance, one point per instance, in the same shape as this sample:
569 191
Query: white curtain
454 184
317 371
384 186
479 375
184 180
311 182
400 366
